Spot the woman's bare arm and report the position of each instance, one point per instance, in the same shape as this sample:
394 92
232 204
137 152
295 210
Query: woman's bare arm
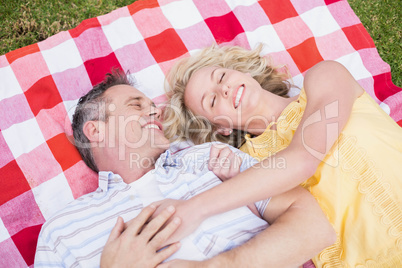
331 91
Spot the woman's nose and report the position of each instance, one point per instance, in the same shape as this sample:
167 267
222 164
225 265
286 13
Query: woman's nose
225 90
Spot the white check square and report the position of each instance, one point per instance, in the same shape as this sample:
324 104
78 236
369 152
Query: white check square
9 85
122 32
23 137
234 3
320 21
182 14
62 57
52 195
150 81
4 235
353 62
267 36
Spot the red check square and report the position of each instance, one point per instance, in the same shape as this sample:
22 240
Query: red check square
305 55
224 28
162 50
21 52
328 2
358 37
26 241
99 67
43 95
382 81
64 152
12 183
83 26
137 6
278 10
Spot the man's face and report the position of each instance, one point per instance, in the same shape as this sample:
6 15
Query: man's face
133 127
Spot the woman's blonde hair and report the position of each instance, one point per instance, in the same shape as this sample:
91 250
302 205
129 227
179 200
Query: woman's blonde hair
181 123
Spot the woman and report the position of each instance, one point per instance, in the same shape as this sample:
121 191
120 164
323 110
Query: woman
332 138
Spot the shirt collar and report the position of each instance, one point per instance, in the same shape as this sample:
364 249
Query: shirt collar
107 178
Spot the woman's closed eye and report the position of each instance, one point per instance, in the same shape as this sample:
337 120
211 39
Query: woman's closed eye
213 101
220 81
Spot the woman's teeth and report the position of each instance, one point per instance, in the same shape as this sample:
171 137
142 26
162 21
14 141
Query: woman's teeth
238 96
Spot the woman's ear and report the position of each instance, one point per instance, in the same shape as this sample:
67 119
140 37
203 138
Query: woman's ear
224 131
94 131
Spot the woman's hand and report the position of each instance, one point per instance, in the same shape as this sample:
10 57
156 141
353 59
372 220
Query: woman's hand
188 213
137 243
224 163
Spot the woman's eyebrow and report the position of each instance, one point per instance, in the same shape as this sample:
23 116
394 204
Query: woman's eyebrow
212 74
202 101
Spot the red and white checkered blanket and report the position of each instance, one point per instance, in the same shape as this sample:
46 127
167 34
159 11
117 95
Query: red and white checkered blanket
40 169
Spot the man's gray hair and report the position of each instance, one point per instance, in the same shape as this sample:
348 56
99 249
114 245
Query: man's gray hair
92 106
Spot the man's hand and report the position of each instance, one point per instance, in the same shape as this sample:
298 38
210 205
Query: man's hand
137 243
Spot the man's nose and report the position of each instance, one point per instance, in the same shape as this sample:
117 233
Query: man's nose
155 112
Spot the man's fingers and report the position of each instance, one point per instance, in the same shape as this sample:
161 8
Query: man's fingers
117 229
168 251
136 224
159 240
155 224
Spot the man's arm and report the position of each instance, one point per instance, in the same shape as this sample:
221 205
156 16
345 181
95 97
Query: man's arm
299 230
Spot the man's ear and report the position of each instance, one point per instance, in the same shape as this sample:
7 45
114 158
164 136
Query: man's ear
224 131
94 131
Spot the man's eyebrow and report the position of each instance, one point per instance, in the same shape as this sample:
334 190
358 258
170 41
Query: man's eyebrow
133 99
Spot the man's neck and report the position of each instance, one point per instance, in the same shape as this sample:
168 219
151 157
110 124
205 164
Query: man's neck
134 173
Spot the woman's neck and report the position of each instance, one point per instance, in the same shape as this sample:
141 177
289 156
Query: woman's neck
270 108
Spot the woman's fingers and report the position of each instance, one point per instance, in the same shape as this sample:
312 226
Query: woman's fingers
155 224
134 226
223 162
217 156
162 236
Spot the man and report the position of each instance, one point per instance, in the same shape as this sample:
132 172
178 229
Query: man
118 132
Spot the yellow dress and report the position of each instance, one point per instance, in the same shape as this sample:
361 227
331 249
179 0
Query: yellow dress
358 184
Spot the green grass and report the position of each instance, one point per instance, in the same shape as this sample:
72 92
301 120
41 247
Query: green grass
26 22
383 20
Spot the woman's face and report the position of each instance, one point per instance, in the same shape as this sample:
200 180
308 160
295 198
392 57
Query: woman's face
226 97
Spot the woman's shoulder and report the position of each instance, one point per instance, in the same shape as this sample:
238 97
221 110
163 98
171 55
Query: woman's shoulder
330 80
